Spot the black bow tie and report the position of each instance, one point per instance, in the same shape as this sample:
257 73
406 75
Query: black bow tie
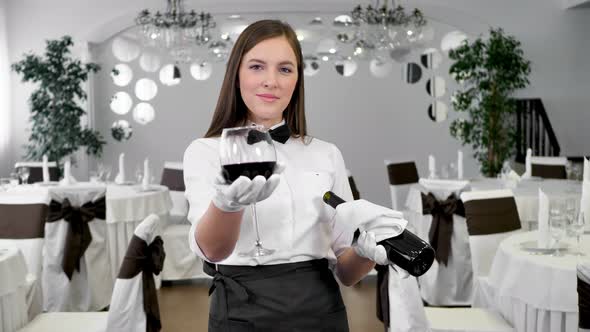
281 133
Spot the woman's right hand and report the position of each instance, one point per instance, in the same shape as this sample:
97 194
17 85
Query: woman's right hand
243 191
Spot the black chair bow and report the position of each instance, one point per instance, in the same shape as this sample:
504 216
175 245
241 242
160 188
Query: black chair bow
383 293
153 263
148 259
441 228
583 304
78 236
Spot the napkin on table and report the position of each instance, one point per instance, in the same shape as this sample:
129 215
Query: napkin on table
45 169
145 181
68 178
120 178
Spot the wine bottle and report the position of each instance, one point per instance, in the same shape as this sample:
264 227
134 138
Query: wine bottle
406 250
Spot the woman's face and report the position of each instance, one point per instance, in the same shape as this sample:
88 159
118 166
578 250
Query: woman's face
267 78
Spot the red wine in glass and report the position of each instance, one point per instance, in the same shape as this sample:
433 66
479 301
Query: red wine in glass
250 170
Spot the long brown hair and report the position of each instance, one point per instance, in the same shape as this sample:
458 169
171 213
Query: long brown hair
231 111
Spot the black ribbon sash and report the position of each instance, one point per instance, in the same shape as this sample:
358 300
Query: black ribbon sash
22 221
78 236
441 228
383 293
149 259
584 304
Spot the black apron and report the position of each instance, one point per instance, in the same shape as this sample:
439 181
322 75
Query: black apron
301 296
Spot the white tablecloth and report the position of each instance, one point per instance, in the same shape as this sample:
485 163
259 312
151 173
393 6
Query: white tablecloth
13 304
127 206
536 292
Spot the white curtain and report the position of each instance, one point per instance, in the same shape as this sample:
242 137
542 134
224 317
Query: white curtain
5 118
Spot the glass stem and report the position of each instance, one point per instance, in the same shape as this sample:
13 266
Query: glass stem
255 221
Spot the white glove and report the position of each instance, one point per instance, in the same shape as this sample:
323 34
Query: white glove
365 216
243 191
367 247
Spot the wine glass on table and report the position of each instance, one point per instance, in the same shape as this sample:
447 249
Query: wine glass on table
576 229
23 174
557 223
248 151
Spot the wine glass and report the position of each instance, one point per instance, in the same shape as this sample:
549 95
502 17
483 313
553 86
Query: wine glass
138 174
23 174
557 224
108 169
4 184
248 151
444 172
13 179
576 228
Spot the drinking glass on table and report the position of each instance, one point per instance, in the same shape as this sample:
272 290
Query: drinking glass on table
13 179
557 223
138 174
576 229
4 184
23 174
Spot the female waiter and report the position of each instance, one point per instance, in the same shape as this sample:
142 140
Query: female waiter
294 288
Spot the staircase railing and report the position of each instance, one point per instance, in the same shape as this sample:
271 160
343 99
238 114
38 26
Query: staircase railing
534 130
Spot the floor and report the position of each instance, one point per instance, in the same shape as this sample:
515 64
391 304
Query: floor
185 306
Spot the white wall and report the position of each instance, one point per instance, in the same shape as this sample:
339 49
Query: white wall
553 39
5 114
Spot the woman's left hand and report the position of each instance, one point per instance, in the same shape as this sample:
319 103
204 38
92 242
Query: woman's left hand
367 247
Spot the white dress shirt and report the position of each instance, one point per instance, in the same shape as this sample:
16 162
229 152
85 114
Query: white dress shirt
294 220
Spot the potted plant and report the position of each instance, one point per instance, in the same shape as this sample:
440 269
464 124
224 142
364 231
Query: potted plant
55 114
488 72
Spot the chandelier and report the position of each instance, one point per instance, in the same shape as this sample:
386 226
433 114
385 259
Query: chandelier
385 33
176 30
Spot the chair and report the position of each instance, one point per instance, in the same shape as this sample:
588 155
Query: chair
549 167
491 217
22 220
76 271
355 192
22 225
126 312
584 296
172 177
401 177
36 170
409 314
182 263
449 280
